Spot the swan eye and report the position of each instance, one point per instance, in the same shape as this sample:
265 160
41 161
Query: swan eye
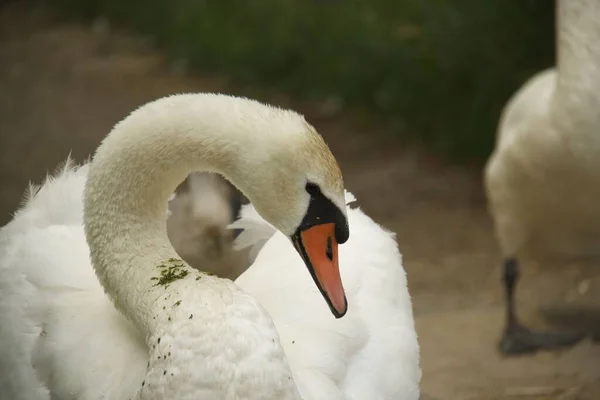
312 189
321 210
329 249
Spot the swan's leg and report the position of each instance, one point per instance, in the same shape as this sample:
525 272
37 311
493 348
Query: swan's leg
517 339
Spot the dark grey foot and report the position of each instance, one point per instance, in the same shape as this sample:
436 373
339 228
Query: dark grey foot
520 340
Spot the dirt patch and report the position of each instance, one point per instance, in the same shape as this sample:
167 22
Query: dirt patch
63 86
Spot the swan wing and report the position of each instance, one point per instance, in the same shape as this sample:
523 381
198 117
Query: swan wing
372 352
55 316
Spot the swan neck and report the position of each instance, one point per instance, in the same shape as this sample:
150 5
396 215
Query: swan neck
578 64
190 321
133 172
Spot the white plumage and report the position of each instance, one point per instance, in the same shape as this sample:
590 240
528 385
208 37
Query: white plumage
197 336
371 353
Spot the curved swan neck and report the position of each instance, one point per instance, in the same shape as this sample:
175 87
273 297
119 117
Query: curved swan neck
138 166
206 337
578 63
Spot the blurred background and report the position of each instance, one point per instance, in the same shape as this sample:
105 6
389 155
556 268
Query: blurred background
408 95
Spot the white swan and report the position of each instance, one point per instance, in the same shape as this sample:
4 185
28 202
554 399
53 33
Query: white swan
200 211
170 331
542 178
372 353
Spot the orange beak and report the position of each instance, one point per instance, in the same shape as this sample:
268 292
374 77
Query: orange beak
319 250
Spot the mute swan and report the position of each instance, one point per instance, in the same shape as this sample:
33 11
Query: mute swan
542 177
146 325
200 210
372 353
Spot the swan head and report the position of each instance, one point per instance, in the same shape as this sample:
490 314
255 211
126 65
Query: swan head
301 193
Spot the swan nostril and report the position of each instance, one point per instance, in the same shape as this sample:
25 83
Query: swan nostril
329 249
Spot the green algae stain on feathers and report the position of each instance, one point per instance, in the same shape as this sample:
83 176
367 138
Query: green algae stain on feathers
170 271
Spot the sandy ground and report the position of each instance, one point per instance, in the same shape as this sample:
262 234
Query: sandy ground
63 86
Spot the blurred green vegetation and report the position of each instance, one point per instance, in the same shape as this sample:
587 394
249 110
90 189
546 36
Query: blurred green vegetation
438 71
